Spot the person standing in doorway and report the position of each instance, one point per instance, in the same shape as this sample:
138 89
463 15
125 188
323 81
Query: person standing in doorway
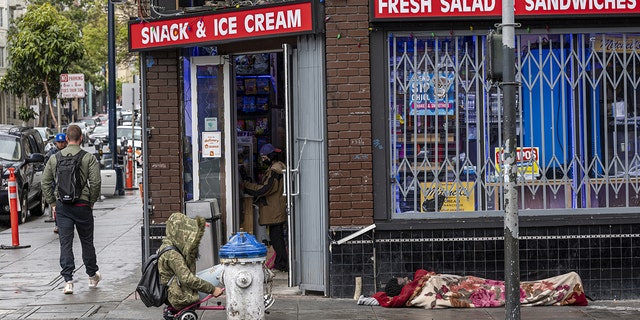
78 213
61 143
271 202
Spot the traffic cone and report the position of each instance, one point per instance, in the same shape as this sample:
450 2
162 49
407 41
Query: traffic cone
13 209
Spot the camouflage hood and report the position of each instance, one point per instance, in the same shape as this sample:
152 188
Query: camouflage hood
185 233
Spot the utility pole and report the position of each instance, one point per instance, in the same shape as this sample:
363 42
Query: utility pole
113 122
511 229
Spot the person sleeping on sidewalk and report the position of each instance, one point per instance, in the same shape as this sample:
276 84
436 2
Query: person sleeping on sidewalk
431 291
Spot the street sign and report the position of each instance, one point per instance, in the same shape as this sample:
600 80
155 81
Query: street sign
71 85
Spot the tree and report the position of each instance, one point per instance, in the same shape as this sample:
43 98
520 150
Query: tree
25 113
42 45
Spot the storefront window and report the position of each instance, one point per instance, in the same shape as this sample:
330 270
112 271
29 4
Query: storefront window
578 116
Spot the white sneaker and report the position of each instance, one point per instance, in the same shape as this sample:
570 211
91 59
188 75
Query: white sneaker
93 281
68 288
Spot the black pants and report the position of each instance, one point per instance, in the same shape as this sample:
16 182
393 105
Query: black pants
78 217
276 234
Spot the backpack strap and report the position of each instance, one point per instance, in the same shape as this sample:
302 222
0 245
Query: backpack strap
167 248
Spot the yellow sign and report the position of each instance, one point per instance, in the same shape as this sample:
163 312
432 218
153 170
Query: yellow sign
617 44
527 160
450 195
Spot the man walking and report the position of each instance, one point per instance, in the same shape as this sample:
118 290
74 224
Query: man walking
61 143
74 211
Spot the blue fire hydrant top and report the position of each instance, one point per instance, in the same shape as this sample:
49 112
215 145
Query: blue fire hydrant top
243 245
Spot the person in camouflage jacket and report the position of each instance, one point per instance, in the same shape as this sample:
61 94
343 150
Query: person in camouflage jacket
184 233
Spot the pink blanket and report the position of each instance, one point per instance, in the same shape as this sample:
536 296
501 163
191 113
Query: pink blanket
431 290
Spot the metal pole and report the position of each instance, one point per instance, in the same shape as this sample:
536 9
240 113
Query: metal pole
289 161
146 207
111 57
511 253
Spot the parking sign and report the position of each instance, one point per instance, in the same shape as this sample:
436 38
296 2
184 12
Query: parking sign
72 85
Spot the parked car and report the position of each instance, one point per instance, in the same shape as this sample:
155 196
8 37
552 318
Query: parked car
47 135
90 123
99 135
108 175
23 149
134 140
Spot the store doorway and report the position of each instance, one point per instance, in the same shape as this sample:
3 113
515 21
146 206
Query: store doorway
259 121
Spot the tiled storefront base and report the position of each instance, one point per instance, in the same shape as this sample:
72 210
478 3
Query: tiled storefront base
607 257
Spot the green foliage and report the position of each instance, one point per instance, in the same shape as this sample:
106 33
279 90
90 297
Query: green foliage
42 46
25 113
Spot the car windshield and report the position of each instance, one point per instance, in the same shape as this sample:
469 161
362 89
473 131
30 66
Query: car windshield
43 133
89 122
101 130
126 132
10 148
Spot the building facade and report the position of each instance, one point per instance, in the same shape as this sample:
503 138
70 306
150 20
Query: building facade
9 104
394 133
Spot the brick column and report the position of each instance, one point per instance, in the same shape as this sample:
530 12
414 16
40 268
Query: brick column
349 112
164 112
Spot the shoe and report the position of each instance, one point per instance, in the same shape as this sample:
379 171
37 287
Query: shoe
168 314
268 301
68 288
93 281
55 229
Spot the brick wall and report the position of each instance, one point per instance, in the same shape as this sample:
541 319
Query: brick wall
349 112
164 116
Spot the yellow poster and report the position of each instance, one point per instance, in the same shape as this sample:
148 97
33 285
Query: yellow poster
452 197
617 44
527 160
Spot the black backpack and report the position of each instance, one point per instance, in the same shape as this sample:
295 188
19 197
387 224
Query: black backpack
70 181
151 291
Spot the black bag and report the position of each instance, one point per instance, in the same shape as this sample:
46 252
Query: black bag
70 182
151 291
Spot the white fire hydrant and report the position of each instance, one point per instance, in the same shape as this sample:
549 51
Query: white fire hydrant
243 257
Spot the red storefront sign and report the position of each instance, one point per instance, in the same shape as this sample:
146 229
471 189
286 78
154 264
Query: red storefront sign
402 9
224 26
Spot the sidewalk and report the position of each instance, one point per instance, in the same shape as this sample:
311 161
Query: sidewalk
31 286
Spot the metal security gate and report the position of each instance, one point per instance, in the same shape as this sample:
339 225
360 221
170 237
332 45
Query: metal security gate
308 166
578 120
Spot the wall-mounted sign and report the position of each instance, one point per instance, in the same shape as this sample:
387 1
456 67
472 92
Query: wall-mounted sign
222 26
403 9
211 144
617 44
447 197
431 94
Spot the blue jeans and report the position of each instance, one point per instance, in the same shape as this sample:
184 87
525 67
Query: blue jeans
78 216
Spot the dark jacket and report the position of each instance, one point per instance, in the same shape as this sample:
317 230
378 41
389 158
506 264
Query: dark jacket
184 233
268 195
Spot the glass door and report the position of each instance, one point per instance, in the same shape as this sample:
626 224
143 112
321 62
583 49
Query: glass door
207 126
